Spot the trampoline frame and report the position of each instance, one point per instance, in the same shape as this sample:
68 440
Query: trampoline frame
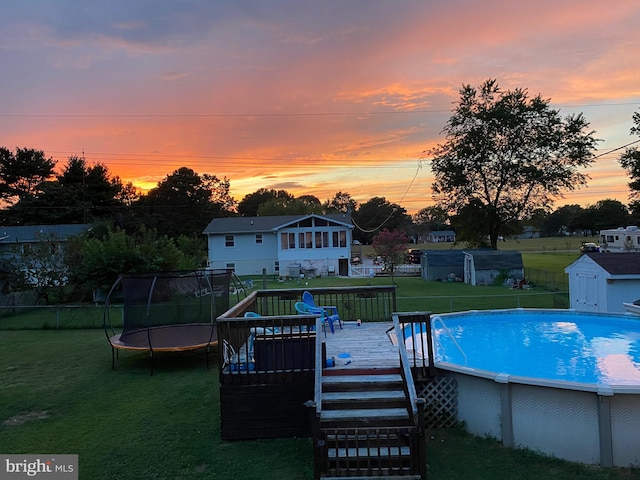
153 338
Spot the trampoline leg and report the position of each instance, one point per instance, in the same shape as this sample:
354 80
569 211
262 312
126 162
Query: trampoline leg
113 358
151 362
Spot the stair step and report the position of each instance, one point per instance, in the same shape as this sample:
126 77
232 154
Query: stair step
363 399
361 382
371 477
365 417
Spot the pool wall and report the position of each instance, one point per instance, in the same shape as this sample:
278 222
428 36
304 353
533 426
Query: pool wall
583 423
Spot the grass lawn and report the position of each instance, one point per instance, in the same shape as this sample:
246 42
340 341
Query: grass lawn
58 394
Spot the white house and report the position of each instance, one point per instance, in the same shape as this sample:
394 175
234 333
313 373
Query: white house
601 282
284 245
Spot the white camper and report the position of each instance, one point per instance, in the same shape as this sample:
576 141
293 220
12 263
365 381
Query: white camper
622 239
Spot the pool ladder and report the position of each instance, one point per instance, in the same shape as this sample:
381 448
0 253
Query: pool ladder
453 339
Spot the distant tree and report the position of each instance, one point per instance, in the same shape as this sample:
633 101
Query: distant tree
510 153
609 213
340 203
377 214
468 225
22 173
391 247
284 205
630 160
183 203
249 205
79 194
561 220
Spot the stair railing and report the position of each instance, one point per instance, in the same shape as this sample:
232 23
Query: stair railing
453 339
319 446
417 405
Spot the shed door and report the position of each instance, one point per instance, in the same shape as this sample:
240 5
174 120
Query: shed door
586 292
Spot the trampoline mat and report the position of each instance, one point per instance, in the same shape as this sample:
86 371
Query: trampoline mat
188 336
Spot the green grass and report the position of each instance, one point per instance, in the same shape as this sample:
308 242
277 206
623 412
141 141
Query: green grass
58 394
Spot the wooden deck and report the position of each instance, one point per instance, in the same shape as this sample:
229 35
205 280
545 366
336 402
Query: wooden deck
368 345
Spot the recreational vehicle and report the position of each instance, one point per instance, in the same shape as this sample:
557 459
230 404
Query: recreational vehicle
620 239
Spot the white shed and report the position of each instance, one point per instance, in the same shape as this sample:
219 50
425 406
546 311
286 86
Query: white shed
602 282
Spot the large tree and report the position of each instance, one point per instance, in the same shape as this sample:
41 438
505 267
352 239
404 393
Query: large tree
630 160
22 173
184 202
376 214
250 204
342 202
509 155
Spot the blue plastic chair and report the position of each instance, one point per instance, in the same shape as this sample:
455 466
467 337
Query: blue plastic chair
305 309
330 310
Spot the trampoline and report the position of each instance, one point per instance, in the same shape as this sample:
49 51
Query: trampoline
166 312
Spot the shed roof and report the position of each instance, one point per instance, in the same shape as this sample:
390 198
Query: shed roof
496 259
266 223
444 258
623 263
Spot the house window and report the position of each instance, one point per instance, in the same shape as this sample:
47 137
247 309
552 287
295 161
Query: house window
276 267
343 238
229 241
258 239
322 239
305 240
334 237
287 241
231 266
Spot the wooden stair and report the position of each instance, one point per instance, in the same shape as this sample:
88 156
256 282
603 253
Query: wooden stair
365 425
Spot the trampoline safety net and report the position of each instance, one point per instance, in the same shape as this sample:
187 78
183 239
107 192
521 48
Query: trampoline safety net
172 299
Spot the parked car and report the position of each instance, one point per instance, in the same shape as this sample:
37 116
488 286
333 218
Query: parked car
415 256
589 247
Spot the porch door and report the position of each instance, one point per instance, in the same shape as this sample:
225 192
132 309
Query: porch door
343 267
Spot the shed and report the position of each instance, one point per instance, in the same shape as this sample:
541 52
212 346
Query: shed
439 264
602 282
482 267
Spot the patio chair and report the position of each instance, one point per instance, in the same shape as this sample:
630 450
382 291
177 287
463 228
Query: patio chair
307 309
332 310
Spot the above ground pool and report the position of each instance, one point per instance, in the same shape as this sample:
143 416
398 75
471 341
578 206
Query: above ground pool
555 345
560 382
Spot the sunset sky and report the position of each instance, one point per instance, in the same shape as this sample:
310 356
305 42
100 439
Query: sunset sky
313 97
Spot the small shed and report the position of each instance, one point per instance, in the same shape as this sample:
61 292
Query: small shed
482 267
441 236
439 264
602 282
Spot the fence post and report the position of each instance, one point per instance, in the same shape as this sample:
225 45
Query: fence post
57 318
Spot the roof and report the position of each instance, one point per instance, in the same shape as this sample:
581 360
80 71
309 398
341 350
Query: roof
442 233
35 233
496 259
267 223
623 263
444 258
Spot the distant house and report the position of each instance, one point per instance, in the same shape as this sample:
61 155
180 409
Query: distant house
14 240
440 236
482 267
439 264
600 282
285 245
529 231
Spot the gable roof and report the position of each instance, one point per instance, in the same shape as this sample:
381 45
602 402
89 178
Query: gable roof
35 233
267 223
623 263
444 258
495 259
441 233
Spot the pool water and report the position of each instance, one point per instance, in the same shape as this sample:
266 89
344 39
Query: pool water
556 345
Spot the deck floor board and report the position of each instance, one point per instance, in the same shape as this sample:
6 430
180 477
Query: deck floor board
368 345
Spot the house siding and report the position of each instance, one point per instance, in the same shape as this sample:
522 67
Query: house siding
249 258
